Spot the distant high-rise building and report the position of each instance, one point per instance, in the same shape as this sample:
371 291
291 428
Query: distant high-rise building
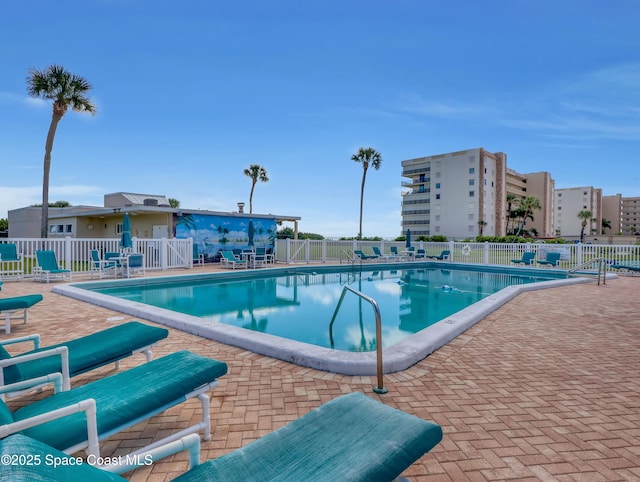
612 212
459 195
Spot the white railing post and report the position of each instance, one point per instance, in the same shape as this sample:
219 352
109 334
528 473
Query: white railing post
486 252
288 251
67 252
324 250
307 256
164 253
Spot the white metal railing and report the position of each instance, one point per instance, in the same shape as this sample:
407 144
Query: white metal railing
331 251
75 253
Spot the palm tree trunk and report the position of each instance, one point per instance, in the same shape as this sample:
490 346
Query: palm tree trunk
44 221
364 175
253 185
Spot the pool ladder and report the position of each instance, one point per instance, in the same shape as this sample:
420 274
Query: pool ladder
602 269
376 310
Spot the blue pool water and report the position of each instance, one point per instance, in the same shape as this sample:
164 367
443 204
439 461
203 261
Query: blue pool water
300 305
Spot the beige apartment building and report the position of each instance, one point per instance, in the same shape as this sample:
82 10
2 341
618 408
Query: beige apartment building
571 201
459 194
612 212
541 186
630 216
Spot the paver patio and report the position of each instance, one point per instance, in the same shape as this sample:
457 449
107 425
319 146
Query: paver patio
545 388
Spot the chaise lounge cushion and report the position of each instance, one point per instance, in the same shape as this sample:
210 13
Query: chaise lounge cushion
89 352
310 447
124 397
19 302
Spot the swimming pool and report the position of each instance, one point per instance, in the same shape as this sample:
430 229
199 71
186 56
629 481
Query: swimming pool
286 312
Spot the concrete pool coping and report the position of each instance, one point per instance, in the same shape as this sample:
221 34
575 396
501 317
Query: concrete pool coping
397 357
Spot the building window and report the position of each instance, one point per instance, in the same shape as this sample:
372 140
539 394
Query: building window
437 217
437 185
472 170
472 193
472 182
421 188
119 228
422 177
437 196
471 217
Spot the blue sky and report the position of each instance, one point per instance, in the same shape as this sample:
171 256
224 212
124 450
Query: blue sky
190 93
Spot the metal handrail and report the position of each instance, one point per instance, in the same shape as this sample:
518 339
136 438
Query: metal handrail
602 267
376 310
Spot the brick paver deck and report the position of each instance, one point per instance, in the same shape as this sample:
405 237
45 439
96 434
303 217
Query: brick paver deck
545 388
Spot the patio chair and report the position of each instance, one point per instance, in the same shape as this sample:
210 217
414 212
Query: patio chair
259 258
47 267
444 254
527 258
79 355
420 253
228 260
102 267
374 442
135 265
11 263
552 259
198 257
83 416
13 305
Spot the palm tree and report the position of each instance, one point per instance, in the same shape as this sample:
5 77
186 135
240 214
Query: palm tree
65 90
511 199
481 224
606 224
528 205
586 216
257 173
366 155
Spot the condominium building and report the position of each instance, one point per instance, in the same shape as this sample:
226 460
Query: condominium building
542 186
612 212
569 202
459 195
630 223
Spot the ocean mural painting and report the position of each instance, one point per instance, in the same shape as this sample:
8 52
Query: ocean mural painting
214 233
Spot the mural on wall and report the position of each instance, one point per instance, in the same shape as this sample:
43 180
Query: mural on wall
212 234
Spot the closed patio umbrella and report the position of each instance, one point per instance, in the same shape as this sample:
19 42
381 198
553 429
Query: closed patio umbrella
408 239
252 233
125 240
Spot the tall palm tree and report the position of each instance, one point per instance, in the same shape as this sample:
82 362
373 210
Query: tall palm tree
586 216
606 224
366 155
257 173
65 90
527 206
511 200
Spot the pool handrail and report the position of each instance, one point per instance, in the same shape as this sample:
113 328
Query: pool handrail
376 310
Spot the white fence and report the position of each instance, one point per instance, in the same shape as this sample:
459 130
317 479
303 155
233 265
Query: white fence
571 255
75 253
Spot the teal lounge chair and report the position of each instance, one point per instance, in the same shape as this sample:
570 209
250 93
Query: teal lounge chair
364 257
351 438
79 355
47 267
527 258
81 417
444 254
228 260
552 259
628 265
135 264
11 263
420 253
9 306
